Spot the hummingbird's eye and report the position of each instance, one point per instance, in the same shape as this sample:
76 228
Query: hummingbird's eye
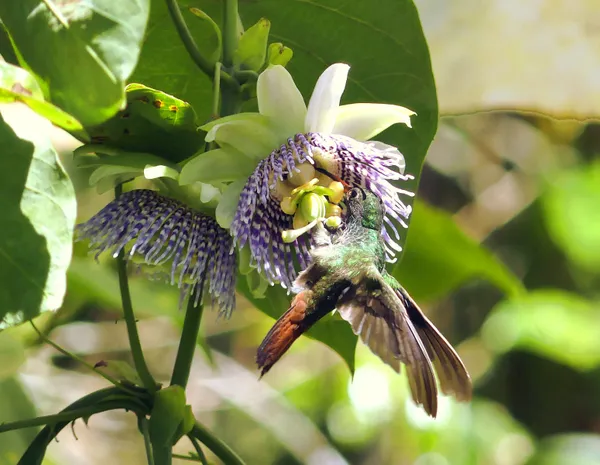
354 193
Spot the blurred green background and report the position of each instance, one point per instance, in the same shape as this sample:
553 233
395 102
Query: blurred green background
525 186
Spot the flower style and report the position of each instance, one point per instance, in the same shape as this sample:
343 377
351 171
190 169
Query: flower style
284 163
164 230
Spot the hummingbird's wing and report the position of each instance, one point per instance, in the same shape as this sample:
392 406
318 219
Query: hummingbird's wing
453 376
377 314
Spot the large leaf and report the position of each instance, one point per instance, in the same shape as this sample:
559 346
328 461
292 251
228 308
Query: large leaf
38 213
554 324
572 214
477 46
439 257
331 330
382 40
82 52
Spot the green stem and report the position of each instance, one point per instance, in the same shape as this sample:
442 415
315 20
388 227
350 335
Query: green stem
218 447
189 43
163 455
230 31
147 445
134 339
230 97
198 449
189 458
188 342
187 39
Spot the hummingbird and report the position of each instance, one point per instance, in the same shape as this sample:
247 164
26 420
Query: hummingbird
347 273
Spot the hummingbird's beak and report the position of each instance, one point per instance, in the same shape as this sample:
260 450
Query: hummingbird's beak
347 186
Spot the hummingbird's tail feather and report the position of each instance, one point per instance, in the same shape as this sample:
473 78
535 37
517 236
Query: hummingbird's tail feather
389 333
283 333
453 376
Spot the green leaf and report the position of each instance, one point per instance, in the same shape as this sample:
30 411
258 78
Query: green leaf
572 214
168 413
552 323
17 85
153 122
81 52
38 210
252 48
331 330
440 257
15 406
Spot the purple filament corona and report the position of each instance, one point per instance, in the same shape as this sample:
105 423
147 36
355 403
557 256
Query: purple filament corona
163 230
259 221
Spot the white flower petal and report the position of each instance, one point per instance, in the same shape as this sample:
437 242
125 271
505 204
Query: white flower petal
216 166
280 100
253 136
228 204
362 121
325 99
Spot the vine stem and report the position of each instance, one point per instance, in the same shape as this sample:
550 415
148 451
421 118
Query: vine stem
189 43
230 97
147 443
214 444
132 333
188 341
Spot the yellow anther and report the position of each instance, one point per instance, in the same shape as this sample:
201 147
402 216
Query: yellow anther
332 210
304 175
338 192
288 206
333 222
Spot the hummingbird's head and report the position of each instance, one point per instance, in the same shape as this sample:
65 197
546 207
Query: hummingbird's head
364 206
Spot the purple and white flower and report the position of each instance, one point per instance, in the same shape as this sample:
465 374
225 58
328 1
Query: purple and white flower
289 154
159 231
